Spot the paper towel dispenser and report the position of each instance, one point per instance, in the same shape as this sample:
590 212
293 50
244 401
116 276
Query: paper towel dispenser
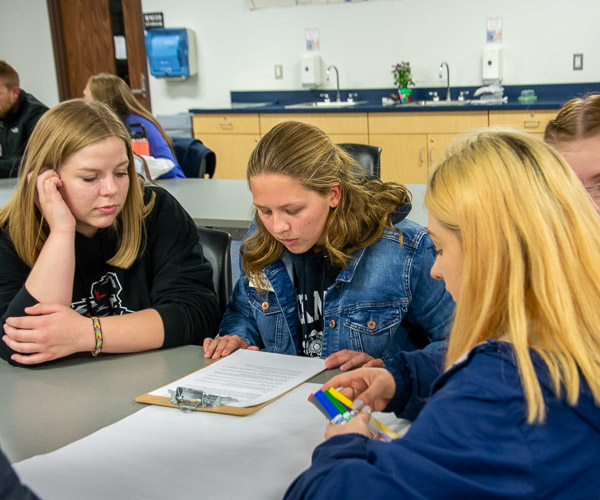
171 52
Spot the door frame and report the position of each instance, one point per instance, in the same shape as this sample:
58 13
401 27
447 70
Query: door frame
135 44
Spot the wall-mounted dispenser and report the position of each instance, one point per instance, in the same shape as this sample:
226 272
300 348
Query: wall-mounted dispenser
310 70
491 69
171 52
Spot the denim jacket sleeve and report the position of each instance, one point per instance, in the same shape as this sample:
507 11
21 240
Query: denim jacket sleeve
239 317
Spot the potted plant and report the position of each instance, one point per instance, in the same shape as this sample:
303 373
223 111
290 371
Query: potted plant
403 78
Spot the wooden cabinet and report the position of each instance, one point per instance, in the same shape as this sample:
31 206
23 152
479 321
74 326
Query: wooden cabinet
232 137
341 127
413 142
533 121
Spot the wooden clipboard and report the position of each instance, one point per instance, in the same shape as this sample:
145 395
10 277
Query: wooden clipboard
228 410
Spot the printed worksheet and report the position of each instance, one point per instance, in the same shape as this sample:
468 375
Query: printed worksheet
250 377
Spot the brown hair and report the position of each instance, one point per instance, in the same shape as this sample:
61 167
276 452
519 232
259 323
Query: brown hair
114 92
579 118
306 154
60 132
8 75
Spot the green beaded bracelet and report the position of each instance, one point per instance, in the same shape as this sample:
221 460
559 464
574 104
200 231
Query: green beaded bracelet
97 335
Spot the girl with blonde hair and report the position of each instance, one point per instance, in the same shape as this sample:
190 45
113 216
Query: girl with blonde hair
91 259
330 267
113 91
516 413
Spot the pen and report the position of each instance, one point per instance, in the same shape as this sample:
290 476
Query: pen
330 409
314 401
340 397
346 412
376 428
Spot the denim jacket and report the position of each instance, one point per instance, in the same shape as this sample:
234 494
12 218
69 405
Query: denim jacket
382 295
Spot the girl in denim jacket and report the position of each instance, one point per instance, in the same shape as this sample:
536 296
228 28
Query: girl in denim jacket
330 269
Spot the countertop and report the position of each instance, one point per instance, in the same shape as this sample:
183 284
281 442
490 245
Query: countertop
370 100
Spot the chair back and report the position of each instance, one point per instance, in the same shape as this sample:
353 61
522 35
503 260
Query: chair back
194 158
369 157
216 245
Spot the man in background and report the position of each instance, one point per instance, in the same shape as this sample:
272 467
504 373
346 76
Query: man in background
19 112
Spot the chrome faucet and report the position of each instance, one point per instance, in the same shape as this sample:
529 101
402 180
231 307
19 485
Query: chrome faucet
448 97
337 82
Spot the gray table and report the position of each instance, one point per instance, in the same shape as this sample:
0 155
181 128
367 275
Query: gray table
49 406
214 202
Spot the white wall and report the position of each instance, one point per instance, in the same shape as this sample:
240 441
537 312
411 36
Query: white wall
238 48
26 44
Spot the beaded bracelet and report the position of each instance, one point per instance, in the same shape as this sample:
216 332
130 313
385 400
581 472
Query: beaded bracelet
97 335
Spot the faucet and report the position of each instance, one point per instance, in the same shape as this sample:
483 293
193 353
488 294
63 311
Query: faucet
448 97
337 82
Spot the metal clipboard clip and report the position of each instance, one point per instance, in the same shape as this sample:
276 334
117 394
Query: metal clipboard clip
188 399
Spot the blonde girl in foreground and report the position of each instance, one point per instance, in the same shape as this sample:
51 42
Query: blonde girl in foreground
516 413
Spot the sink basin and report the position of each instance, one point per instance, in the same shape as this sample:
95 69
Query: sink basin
246 105
439 103
324 104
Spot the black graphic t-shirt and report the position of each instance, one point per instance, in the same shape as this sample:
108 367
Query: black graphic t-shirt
170 275
312 277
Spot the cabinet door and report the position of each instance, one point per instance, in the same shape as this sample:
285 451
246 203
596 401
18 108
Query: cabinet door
403 157
348 125
225 124
232 151
533 121
437 144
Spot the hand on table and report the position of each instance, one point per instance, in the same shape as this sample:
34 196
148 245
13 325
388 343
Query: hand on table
224 345
347 359
49 331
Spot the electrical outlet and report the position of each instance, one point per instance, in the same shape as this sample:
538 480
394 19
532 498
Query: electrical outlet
278 71
577 62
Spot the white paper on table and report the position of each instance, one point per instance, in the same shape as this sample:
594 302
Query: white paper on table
159 453
252 377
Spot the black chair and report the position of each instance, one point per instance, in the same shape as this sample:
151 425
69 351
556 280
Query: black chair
194 158
217 250
369 157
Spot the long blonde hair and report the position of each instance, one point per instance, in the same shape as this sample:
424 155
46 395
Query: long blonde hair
306 154
63 130
113 91
531 271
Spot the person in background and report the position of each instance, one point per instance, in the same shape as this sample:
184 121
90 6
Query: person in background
330 267
91 259
114 91
575 133
516 414
19 112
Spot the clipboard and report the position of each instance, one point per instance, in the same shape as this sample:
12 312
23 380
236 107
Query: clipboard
224 409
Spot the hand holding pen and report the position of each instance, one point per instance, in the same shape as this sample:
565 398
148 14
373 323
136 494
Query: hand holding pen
374 387
349 417
358 424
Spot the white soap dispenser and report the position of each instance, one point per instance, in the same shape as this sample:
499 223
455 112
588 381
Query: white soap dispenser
310 70
491 67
